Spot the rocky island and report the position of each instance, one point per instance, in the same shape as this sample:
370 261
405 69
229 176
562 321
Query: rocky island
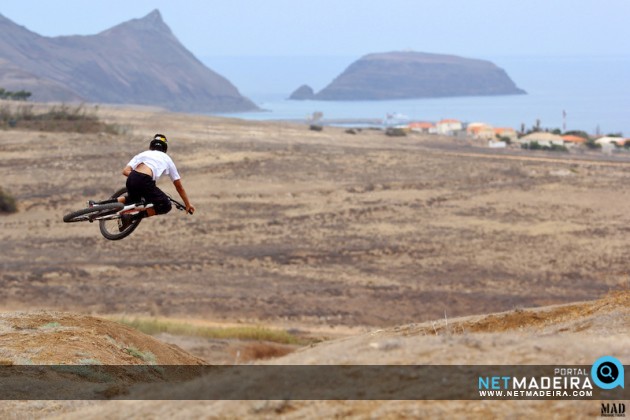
304 92
407 75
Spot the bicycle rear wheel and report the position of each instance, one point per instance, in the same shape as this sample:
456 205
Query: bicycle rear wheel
113 229
90 213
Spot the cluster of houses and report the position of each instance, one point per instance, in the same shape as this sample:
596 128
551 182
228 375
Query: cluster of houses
503 136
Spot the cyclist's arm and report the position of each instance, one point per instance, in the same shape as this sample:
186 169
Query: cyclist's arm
127 170
182 193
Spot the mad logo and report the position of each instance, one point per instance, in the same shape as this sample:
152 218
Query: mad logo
608 373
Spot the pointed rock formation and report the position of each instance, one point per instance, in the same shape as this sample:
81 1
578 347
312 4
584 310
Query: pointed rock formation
304 92
136 62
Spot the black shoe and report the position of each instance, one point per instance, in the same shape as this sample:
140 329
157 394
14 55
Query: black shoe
125 221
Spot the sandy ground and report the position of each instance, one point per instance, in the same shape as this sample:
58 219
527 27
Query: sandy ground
319 231
561 335
300 227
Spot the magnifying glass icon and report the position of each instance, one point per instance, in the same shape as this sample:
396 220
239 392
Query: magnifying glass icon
606 371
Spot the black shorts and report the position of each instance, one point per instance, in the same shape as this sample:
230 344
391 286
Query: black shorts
141 186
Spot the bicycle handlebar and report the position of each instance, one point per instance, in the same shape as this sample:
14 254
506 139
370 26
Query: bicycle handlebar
178 205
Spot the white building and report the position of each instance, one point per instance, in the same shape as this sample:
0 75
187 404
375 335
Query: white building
542 138
478 130
619 141
448 127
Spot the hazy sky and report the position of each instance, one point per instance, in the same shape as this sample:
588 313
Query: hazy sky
352 27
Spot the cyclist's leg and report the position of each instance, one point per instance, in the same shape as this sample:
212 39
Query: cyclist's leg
161 202
152 194
122 199
137 184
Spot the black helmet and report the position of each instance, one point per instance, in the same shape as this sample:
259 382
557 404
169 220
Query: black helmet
159 143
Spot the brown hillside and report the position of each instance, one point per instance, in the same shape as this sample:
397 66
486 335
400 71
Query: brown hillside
557 335
57 338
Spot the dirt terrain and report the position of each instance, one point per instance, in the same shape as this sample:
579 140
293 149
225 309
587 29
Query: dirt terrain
298 227
49 338
556 335
329 232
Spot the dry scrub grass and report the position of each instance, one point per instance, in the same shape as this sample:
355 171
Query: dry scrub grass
153 326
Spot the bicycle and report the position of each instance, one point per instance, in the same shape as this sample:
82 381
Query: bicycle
109 216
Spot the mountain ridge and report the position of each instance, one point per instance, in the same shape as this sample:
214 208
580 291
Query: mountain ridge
139 61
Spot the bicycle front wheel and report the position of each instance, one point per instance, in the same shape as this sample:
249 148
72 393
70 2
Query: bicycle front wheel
114 229
90 213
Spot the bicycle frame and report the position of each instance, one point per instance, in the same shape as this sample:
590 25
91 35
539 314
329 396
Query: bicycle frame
131 209
109 215
136 208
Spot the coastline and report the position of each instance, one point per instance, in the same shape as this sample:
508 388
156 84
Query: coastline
570 84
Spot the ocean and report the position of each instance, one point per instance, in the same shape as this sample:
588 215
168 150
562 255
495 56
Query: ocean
589 93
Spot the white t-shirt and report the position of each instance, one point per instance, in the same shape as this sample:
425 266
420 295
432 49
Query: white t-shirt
159 162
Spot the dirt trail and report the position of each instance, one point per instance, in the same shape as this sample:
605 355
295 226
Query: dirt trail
557 335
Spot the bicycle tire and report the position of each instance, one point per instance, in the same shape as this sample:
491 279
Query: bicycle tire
110 228
90 213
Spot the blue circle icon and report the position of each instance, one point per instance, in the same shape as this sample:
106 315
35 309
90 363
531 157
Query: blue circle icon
607 372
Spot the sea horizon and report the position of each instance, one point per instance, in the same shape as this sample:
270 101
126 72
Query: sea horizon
586 93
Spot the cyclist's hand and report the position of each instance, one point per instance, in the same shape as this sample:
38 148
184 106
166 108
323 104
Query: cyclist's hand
190 209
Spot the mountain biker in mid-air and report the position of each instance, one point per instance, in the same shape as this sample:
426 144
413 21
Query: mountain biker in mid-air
142 172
